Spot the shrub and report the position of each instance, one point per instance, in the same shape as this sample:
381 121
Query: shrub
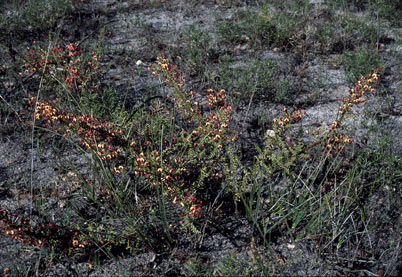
358 63
154 171
41 15
258 29
255 78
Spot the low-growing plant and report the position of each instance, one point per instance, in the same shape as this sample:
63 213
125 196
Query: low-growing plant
194 268
368 30
175 162
75 242
324 33
386 9
68 76
155 170
231 265
255 78
41 15
259 29
358 62
299 204
33 17
199 50
283 91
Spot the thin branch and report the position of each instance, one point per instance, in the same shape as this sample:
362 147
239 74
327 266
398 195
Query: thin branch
33 130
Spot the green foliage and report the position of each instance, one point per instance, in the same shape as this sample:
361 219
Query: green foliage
152 171
391 10
231 265
41 15
379 161
360 62
325 33
258 29
194 269
360 30
181 155
255 78
157 169
106 104
287 25
281 156
199 50
11 19
284 89
230 31
21 17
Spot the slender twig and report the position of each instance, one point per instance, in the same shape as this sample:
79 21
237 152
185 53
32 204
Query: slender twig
2 98
33 129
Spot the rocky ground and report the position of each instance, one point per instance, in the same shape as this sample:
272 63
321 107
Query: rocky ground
313 72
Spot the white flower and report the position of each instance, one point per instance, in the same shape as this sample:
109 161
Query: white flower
291 246
139 62
270 133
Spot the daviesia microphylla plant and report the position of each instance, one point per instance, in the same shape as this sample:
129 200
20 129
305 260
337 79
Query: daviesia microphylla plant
69 80
183 152
66 66
191 165
61 239
286 150
183 162
103 138
333 138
